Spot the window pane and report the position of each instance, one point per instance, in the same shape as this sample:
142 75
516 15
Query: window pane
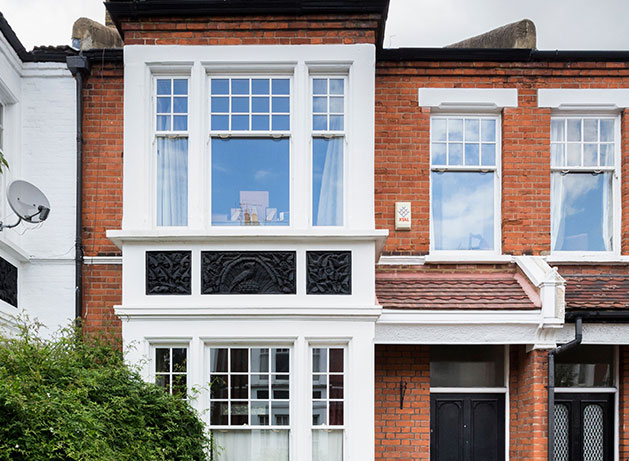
439 153
488 153
220 104
220 86
581 216
463 211
488 129
220 122
281 86
590 154
163 105
218 360
260 413
472 155
327 445
239 412
279 387
471 130
590 130
281 122
337 123
466 366
336 386
319 104
455 129
219 413
455 154
240 105
319 413
320 86
163 381
218 387
253 445
574 154
438 129
327 182
239 360
163 123
240 122
319 360
336 413
320 122
162 360
336 86
260 122
319 386
607 155
172 181
259 360
607 131
163 86
336 360
279 413
557 157
585 366
337 105
239 387
240 86
180 86
180 123
281 105
557 130
179 360
250 182
574 130
180 385
260 105
280 361
260 86
260 386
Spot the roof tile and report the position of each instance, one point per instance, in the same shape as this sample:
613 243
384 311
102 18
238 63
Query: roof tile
597 291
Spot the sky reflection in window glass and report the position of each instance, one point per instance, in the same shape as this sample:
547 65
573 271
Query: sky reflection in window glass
463 210
250 182
582 212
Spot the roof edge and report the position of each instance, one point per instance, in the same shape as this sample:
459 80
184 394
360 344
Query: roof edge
14 42
499 55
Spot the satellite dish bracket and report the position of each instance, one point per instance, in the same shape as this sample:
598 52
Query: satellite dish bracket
28 203
10 226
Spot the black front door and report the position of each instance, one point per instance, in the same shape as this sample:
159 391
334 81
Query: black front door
467 427
584 427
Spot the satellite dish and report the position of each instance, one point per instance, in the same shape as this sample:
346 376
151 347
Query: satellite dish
27 202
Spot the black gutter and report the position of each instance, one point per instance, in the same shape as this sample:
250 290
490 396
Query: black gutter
104 55
499 55
618 316
578 337
78 65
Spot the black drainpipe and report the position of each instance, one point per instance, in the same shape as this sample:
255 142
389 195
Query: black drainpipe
578 337
78 65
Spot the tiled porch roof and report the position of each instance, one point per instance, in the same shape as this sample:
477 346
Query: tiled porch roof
597 291
421 291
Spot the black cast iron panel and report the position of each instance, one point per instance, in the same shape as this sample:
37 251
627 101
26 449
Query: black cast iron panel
8 282
168 272
329 273
248 272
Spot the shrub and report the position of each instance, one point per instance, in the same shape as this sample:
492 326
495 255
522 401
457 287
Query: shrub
74 398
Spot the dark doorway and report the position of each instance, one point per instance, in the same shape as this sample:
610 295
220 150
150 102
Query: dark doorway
584 427
467 427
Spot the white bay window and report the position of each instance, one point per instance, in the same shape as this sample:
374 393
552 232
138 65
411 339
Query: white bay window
584 178
465 187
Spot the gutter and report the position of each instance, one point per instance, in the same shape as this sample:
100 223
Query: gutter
78 66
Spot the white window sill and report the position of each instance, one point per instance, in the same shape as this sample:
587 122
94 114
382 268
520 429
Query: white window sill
586 258
471 257
244 233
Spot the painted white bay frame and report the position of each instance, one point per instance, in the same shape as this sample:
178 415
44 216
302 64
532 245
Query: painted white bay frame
296 321
474 103
584 104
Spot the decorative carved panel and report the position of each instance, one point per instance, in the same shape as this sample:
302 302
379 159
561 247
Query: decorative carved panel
329 272
248 272
168 272
8 282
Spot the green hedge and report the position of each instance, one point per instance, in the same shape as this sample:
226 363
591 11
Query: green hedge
73 398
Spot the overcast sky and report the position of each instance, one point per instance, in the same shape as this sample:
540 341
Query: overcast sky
561 24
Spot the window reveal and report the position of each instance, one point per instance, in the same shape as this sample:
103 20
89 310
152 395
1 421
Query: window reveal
464 170
250 131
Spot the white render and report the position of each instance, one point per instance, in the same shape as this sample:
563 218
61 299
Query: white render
40 145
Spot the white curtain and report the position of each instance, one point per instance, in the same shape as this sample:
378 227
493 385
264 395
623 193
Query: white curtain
327 445
330 210
251 445
172 181
556 210
607 211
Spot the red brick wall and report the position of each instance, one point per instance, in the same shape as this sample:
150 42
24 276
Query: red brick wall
102 193
402 434
528 399
403 152
253 30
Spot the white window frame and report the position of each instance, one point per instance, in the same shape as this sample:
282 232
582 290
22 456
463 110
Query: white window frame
328 134
346 371
497 171
557 255
210 134
154 345
2 124
294 377
171 74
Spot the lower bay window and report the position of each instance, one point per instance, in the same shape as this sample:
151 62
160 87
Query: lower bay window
250 390
171 369
328 403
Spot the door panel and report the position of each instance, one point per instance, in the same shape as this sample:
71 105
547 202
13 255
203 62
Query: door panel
467 427
589 435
